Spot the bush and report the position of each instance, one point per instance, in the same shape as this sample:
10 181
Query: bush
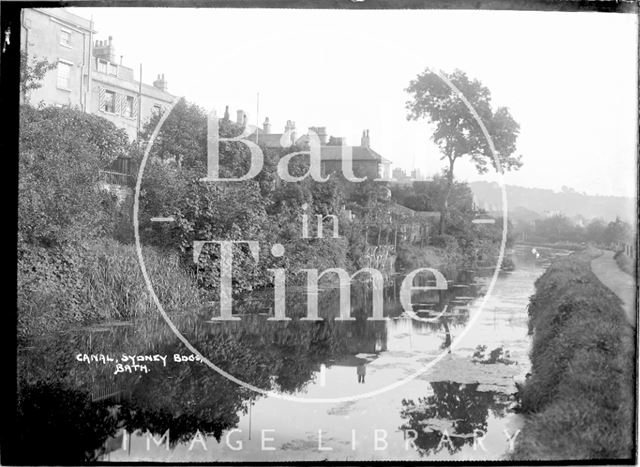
99 280
411 257
580 394
60 156
625 263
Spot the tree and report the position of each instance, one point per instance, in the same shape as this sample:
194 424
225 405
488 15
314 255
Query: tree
32 73
457 133
429 195
595 230
617 232
183 136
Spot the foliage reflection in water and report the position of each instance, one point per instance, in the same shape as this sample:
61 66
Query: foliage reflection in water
85 407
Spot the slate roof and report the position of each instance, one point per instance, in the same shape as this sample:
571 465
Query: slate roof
359 153
327 153
269 140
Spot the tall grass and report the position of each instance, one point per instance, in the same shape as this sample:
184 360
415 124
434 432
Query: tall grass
97 281
580 396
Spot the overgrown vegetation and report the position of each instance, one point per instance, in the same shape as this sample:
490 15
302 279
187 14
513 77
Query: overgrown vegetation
562 229
70 267
579 398
98 280
76 262
626 263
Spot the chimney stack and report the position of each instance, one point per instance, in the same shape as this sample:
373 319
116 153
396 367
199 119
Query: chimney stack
289 126
226 113
240 117
290 129
266 126
365 141
105 50
322 134
160 83
321 131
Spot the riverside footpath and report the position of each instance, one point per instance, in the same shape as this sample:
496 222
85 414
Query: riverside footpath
618 281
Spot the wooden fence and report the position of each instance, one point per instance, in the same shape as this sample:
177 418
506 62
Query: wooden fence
120 172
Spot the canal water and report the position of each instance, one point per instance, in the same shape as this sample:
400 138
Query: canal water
452 374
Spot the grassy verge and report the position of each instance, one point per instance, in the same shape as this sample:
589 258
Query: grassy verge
579 399
625 263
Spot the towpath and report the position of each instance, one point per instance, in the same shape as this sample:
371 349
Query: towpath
618 281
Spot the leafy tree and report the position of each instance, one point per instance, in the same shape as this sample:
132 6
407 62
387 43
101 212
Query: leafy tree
617 231
183 136
457 133
32 73
595 230
558 227
429 195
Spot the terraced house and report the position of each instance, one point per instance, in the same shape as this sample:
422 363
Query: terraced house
89 75
365 161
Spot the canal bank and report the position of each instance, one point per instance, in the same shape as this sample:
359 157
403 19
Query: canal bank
579 399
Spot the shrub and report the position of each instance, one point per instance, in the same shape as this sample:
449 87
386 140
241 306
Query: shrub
61 153
625 263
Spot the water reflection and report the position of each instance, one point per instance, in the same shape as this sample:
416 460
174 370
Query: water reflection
60 424
452 417
78 411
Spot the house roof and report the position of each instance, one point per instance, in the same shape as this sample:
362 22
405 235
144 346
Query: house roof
400 209
327 153
358 153
269 140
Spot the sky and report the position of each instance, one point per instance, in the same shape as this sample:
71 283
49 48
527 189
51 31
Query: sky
568 79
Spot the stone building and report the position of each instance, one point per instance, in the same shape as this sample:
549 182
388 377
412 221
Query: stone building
366 162
89 75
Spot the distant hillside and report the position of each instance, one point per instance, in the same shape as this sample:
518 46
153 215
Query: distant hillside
529 203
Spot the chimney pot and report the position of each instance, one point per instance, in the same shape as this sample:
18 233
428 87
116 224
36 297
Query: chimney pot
160 83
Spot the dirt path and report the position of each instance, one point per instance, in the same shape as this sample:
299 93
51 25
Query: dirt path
620 283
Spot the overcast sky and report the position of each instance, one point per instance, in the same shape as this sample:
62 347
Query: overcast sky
569 79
